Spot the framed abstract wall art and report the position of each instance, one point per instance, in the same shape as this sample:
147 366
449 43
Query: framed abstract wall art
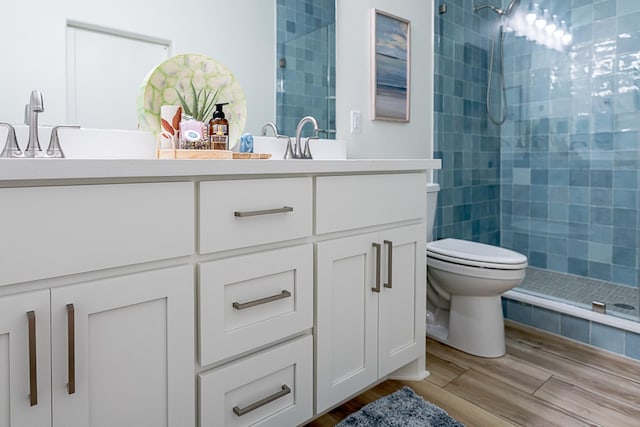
391 65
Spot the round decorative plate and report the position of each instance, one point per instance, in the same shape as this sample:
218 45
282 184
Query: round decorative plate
186 75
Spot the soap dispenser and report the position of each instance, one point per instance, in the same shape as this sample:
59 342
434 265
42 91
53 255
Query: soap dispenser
219 129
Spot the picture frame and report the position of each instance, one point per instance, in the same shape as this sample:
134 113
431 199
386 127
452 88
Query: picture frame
390 67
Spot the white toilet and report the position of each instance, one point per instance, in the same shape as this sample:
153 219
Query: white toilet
464 283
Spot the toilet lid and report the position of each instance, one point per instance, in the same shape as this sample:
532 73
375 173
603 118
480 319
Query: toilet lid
464 250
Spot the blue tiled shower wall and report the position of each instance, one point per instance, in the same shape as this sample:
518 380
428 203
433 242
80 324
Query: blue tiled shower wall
469 198
558 181
569 151
305 39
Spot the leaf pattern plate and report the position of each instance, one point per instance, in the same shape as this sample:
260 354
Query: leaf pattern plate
178 73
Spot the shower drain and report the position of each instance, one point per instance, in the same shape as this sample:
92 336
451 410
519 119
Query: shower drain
624 306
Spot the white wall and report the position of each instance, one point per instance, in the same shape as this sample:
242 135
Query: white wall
383 139
239 33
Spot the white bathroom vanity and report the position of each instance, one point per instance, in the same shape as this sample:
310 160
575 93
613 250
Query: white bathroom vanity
209 292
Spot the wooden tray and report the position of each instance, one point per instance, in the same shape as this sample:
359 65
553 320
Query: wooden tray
251 156
194 154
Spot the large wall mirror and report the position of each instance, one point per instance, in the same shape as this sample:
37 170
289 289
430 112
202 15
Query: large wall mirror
89 58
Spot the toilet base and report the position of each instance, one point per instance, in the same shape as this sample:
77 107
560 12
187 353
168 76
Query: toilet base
476 326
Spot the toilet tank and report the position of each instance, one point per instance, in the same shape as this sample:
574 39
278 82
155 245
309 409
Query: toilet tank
432 201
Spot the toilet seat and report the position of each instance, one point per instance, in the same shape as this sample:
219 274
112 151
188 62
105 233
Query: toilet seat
467 253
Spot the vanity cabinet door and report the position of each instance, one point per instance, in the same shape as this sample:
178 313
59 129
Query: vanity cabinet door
402 306
123 351
25 370
346 318
363 334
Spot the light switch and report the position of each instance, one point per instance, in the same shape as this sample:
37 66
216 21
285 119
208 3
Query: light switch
356 126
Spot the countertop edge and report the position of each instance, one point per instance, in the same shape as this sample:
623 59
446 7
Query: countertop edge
78 169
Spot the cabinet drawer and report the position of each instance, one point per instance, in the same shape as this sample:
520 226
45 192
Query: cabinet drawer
348 202
236 214
248 301
62 230
281 378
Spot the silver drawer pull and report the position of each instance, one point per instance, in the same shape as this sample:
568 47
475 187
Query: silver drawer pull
263 212
243 305
33 369
389 284
378 249
241 411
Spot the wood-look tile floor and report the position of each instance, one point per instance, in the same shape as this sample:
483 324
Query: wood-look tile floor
543 380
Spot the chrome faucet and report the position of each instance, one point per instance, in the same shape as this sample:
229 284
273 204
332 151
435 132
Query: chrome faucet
299 153
31 118
272 126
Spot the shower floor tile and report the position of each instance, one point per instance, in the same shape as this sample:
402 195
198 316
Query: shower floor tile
582 291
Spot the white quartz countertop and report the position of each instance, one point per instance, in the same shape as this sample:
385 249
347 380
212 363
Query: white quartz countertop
12 170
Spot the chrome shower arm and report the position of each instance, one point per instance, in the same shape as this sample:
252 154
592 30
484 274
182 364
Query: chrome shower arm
490 6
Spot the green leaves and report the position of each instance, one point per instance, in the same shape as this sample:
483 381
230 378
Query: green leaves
202 103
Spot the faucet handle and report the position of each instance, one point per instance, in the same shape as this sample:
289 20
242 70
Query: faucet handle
307 150
11 148
54 150
288 153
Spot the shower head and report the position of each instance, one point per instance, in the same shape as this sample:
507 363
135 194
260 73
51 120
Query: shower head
502 12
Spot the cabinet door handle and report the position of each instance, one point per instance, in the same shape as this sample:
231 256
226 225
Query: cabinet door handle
33 369
378 249
277 395
243 305
71 349
263 212
389 244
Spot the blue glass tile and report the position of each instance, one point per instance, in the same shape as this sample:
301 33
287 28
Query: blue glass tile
538 259
580 195
628 22
601 234
625 179
546 319
601 215
600 252
624 199
625 275
628 6
601 197
632 345
603 141
625 140
559 194
624 256
558 263
600 271
622 238
578 266
627 217
574 328
579 178
578 213
519 312
608 338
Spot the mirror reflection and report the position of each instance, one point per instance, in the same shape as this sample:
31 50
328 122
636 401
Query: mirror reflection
89 58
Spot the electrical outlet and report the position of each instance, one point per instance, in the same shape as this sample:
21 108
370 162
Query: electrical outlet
356 125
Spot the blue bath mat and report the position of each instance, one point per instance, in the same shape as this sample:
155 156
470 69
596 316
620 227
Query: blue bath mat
403 408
